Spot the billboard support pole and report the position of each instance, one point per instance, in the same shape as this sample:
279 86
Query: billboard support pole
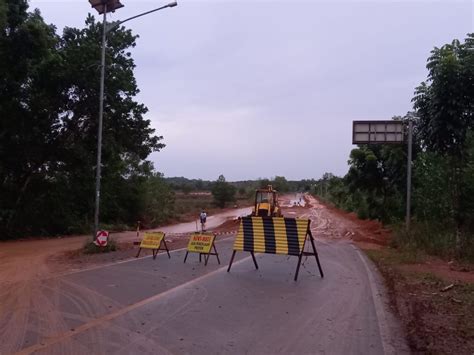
409 162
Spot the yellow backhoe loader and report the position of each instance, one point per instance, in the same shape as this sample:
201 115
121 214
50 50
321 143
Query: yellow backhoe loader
266 203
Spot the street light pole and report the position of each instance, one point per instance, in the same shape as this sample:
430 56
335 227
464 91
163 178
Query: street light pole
104 6
101 118
117 24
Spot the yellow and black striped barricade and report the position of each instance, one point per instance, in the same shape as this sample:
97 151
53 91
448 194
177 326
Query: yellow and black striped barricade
202 243
275 235
153 241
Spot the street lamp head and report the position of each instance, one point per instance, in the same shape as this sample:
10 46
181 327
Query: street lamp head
102 5
173 4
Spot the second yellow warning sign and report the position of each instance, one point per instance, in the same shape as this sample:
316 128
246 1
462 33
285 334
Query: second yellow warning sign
201 243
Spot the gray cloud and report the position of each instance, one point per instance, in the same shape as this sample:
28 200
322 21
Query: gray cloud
264 88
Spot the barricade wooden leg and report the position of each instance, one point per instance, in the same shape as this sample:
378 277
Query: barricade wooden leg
316 256
166 247
206 259
139 250
298 266
254 260
155 253
200 257
231 260
186 256
217 254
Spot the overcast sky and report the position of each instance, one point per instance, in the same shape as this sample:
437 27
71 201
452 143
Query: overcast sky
254 89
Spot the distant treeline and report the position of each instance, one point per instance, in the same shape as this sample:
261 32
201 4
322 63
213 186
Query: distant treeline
279 183
443 163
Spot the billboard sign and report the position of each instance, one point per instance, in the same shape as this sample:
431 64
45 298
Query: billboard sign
377 132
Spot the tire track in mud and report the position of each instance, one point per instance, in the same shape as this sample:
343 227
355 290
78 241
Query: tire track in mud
14 314
198 295
88 305
31 295
31 310
326 224
99 322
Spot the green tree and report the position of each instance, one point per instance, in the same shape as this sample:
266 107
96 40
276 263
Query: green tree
280 184
376 181
128 138
444 105
3 14
49 97
263 183
431 195
223 192
157 202
30 90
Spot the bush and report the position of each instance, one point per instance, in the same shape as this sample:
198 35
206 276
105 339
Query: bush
433 238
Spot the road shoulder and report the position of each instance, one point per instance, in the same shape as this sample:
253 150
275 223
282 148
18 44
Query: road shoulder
391 331
436 312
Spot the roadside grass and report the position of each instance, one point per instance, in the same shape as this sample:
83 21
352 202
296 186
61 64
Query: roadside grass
434 239
392 256
438 318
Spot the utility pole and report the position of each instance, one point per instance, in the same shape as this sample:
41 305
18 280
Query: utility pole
101 118
409 163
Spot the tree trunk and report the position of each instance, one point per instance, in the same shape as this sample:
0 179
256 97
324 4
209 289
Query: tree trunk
18 200
456 164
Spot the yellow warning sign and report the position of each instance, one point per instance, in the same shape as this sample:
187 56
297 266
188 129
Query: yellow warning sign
201 243
152 240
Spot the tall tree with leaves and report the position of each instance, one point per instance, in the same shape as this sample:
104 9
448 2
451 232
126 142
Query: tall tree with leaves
30 95
445 107
280 184
128 138
49 96
223 192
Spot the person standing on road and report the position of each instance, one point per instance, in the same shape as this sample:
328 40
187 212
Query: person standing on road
203 217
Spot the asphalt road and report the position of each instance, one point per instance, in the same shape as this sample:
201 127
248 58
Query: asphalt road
164 306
